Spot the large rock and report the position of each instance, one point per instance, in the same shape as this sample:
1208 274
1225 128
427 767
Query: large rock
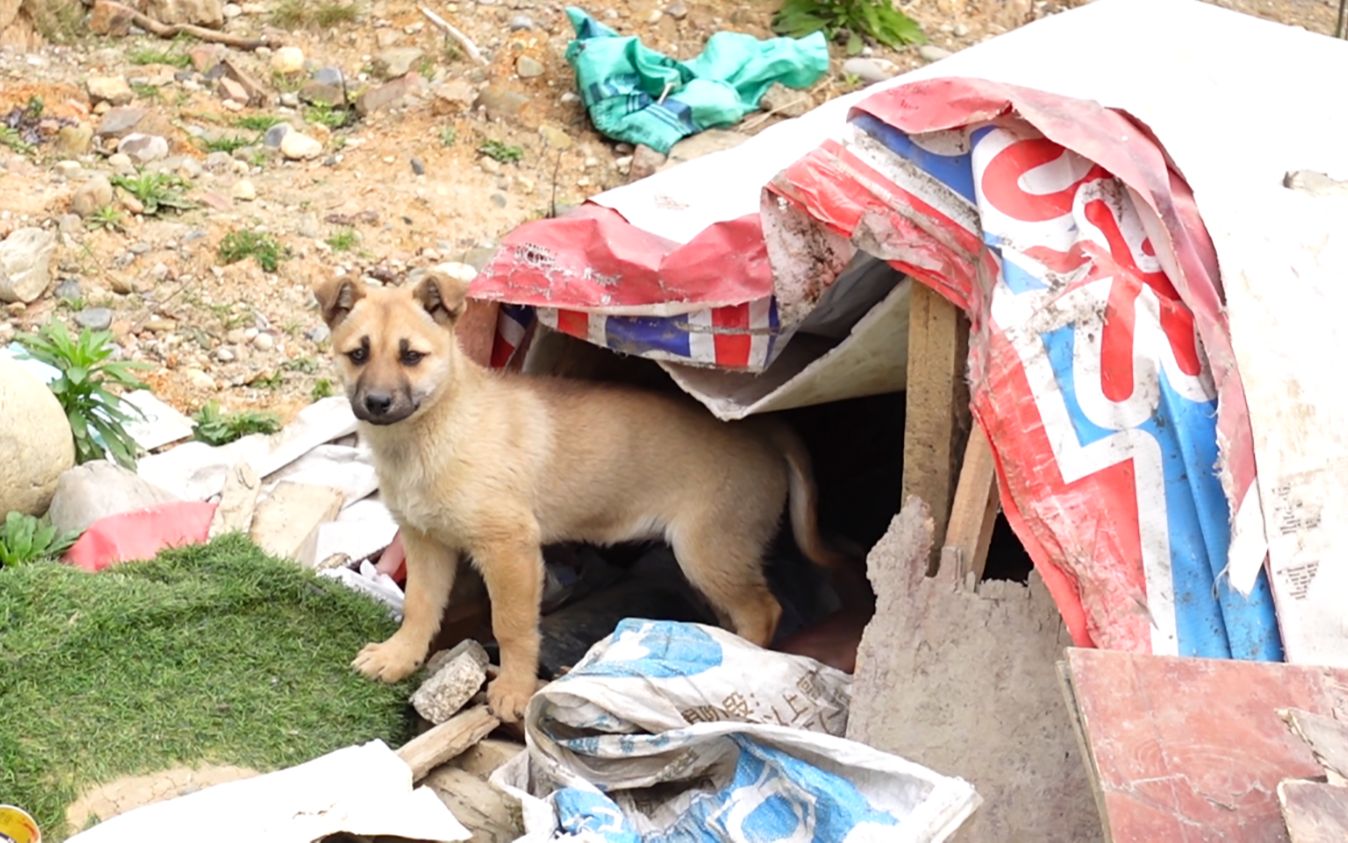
25 264
35 441
98 489
201 12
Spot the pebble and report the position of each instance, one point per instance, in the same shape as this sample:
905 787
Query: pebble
243 190
298 146
225 354
529 68
264 342
143 148
69 290
276 134
66 169
555 136
94 318
287 61
318 334
418 167
189 168
396 61
290 99
219 162
677 10
232 11
931 52
200 380
94 194
122 164
520 23
499 200
961 30
110 89
870 70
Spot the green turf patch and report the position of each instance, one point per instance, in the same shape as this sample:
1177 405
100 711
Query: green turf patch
209 654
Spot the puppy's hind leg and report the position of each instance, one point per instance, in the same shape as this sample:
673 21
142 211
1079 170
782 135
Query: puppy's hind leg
431 569
728 569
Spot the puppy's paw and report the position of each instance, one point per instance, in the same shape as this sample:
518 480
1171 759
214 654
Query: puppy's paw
507 696
390 661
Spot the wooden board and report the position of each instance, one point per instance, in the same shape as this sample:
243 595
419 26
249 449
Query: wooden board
1193 749
937 406
974 511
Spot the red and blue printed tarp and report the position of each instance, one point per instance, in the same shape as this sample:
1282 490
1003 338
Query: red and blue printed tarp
1099 352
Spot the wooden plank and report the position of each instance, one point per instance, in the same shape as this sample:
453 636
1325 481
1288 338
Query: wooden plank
937 405
1194 749
435 746
237 500
973 513
1314 812
286 523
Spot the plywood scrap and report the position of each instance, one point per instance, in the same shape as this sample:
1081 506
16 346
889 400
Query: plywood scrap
980 696
1326 736
286 523
1194 749
238 499
1314 812
435 746
485 811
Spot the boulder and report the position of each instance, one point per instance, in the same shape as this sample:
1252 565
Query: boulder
25 264
98 489
36 445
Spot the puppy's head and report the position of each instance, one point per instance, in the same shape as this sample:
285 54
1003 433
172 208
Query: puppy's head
394 346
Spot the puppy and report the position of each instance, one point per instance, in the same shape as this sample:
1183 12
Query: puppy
476 463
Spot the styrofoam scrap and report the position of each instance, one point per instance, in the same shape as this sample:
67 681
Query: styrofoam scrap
369 581
356 539
349 469
456 678
196 471
158 424
364 790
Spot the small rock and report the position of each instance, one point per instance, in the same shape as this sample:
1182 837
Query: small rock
276 134
623 164
35 439
677 10
225 354
119 122
143 148
555 136
396 61
290 99
645 161
298 146
418 167
219 162
931 52
111 89
323 93
232 91
780 99
499 200
703 143
455 676
870 70
74 140
257 93
264 342
25 264
232 11
94 318
96 490
287 61
318 334
69 290
390 94
94 194
122 164
110 19
208 13
529 68
200 380
502 103
961 30
520 23
205 56
453 97
189 168
243 190
67 169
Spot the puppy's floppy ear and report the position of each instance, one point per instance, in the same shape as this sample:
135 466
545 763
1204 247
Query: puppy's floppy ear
336 297
444 293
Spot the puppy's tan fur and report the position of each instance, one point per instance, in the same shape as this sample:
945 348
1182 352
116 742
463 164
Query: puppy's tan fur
475 463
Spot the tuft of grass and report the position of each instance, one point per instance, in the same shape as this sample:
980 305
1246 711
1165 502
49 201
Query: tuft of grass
25 539
215 653
247 243
12 139
448 135
323 388
257 122
879 20
97 416
226 143
148 56
146 92
106 217
324 114
498 151
343 240
156 191
293 14
215 427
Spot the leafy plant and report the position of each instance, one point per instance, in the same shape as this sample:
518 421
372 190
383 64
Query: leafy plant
215 427
14 140
226 143
147 56
106 217
344 240
246 243
27 539
326 115
257 122
856 19
156 191
97 416
323 388
448 135
498 151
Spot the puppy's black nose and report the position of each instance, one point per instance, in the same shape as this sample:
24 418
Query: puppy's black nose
378 403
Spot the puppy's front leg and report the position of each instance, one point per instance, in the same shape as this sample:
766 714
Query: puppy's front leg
513 571
430 578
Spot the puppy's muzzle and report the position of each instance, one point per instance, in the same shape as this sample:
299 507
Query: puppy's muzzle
381 408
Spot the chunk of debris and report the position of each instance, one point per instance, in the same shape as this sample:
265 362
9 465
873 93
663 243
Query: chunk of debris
286 523
456 675
234 514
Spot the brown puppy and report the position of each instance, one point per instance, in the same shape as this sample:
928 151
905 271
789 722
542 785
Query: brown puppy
472 462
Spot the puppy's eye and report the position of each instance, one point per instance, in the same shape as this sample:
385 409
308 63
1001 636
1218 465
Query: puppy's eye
410 357
358 355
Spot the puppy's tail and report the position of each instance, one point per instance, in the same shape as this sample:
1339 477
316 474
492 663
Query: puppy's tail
804 501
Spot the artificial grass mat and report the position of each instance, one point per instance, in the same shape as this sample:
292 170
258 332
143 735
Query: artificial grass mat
208 654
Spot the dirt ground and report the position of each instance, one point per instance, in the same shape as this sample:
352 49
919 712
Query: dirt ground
400 188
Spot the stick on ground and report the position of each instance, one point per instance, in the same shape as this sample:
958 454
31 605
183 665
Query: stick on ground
453 32
435 746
